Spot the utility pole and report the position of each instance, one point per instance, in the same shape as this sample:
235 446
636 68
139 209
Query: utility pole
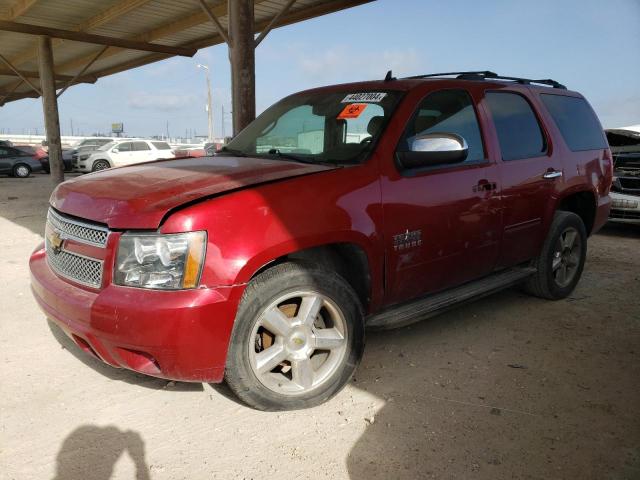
50 106
222 122
71 122
209 106
242 56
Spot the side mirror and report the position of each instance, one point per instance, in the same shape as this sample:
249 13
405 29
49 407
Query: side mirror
434 149
115 150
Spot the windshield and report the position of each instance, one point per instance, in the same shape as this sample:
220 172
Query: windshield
318 127
106 146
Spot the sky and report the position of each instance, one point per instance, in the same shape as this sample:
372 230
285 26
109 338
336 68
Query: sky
591 46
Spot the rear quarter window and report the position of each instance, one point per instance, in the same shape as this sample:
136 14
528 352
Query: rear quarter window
161 145
576 121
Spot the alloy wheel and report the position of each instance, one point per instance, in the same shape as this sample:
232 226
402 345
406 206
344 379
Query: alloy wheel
566 257
298 343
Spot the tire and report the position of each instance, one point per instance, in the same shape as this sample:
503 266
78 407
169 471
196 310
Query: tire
299 372
564 250
21 170
100 165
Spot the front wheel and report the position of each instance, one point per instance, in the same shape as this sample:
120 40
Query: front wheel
297 338
561 261
100 165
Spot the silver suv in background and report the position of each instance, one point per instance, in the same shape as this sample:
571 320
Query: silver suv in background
124 152
625 190
86 147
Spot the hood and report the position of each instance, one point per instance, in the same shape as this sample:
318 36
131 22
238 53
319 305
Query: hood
140 196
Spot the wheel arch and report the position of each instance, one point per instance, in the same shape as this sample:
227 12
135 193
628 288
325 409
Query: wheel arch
581 202
101 160
349 258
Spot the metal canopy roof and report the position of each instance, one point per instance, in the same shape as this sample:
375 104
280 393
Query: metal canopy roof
95 38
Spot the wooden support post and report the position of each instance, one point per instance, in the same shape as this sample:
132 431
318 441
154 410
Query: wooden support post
50 108
242 56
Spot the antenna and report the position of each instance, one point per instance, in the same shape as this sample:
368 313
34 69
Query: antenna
389 76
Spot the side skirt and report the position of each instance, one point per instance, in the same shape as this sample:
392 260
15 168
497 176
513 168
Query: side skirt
425 307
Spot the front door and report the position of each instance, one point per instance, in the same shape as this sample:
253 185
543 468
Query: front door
442 224
123 154
5 162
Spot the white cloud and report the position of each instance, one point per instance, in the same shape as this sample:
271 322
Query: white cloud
161 101
343 64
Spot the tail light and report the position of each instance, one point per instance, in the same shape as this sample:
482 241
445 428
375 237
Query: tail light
607 171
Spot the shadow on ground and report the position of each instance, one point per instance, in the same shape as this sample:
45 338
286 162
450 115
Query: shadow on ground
513 386
91 452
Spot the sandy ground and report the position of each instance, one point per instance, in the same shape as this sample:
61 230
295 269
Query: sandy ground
507 387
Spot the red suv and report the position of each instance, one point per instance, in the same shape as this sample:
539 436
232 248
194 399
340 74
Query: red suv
371 204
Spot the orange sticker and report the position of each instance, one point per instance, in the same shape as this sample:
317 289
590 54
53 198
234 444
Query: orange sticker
352 111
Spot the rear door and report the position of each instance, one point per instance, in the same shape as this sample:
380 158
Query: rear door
529 171
442 224
141 152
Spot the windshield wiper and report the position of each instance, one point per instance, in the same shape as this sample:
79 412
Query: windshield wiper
295 158
231 152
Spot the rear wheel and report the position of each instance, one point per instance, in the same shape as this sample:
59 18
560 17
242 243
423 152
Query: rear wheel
561 261
100 165
297 338
21 170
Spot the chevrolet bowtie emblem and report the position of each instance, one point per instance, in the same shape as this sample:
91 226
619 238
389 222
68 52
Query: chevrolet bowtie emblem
56 240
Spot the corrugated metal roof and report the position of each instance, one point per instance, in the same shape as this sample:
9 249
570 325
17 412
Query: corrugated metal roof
164 22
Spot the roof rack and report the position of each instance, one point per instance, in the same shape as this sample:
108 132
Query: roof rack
486 74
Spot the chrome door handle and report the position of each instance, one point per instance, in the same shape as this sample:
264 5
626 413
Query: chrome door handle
552 174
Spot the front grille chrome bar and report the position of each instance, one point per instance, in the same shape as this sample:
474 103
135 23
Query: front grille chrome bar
83 232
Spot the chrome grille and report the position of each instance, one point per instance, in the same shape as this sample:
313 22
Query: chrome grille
81 269
74 266
83 232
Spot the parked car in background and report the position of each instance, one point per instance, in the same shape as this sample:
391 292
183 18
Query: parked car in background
37 152
6 143
67 159
189 152
121 153
625 190
86 147
17 163
211 147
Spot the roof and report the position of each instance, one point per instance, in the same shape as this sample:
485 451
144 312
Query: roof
139 32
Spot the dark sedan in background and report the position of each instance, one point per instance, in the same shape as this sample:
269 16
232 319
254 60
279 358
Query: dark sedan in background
17 163
67 159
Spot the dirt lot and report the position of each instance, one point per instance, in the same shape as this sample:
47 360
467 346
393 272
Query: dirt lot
507 387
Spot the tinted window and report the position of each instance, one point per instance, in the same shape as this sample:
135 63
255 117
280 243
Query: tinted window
4 152
519 132
138 146
161 145
446 111
576 121
124 147
103 141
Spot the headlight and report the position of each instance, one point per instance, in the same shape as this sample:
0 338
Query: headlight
167 262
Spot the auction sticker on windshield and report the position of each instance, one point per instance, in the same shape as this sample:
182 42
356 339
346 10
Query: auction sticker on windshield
364 97
352 111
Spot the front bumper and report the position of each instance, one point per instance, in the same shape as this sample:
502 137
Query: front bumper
625 208
178 335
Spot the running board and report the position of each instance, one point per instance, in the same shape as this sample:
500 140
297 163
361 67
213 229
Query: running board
425 307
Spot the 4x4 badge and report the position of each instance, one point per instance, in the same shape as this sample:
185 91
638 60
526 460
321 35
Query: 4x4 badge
408 239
